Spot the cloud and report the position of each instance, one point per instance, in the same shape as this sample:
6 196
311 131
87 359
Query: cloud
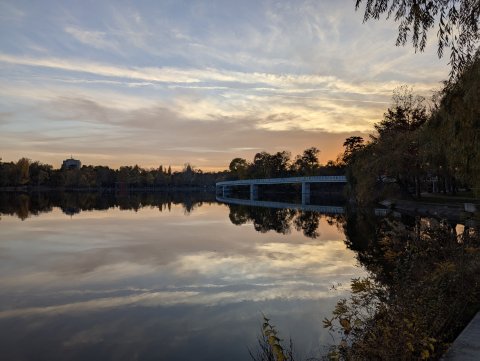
205 133
291 71
6 117
97 39
174 298
266 274
208 75
11 13
233 273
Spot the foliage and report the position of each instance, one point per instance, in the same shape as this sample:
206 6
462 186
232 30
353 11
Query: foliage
271 347
352 146
238 168
452 138
407 113
421 293
390 162
280 164
415 150
457 23
307 163
25 173
25 205
279 220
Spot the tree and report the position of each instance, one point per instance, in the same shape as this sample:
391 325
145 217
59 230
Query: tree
266 165
22 171
407 113
307 163
238 167
458 23
451 138
188 173
352 145
393 155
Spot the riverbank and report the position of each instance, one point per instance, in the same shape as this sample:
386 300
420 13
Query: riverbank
467 345
33 189
457 210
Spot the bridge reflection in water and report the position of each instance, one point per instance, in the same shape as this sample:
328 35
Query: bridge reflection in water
283 205
379 212
225 187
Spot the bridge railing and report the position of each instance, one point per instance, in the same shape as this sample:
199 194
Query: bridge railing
286 180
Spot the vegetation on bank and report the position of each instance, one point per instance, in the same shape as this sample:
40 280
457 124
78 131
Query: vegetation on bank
419 149
27 173
281 164
423 287
421 291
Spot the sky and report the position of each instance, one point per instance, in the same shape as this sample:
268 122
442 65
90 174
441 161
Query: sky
169 82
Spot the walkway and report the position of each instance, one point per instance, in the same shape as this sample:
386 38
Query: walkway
467 345
287 180
304 181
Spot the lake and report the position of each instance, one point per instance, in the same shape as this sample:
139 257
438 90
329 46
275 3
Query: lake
163 277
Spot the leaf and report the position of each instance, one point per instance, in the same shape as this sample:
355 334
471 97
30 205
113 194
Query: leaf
278 352
327 323
410 346
425 354
346 325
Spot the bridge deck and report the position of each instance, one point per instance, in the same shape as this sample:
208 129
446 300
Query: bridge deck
288 180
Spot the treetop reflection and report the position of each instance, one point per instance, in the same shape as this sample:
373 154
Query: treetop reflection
264 219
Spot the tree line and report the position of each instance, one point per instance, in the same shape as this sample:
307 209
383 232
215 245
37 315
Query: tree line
28 173
419 147
28 204
281 164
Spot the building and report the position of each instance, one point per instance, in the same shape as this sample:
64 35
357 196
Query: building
71 164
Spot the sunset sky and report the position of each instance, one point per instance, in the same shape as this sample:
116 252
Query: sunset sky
169 82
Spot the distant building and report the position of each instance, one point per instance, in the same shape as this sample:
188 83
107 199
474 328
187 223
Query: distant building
71 164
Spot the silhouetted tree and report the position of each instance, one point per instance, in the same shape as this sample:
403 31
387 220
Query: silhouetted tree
352 145
307 163
457 23
238 167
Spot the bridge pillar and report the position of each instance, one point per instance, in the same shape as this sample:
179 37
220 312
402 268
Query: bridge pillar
305 193
253 192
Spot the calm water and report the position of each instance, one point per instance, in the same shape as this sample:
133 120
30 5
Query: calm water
163 279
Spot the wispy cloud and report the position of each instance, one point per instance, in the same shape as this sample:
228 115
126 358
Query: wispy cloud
207 76
97 39
282 69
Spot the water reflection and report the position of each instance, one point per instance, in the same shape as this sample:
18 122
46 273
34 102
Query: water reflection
281 220
422 287
24 205
108 283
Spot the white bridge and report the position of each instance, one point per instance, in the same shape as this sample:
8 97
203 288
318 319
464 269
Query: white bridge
225 187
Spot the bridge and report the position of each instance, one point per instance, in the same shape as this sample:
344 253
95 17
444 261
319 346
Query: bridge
225 186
